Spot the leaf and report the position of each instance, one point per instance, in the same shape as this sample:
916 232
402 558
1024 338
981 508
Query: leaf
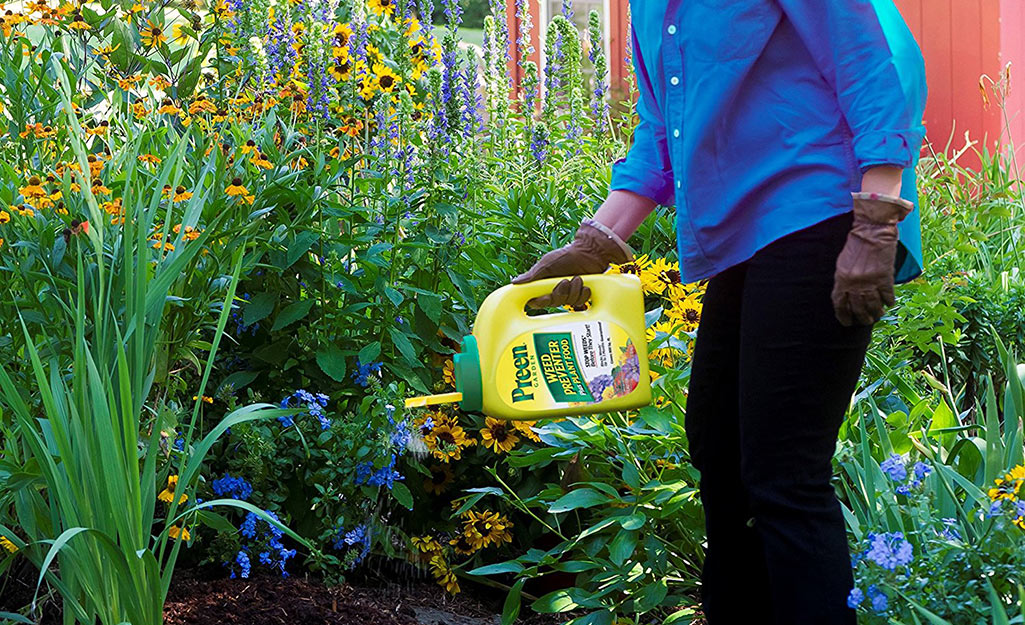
292 313
402 342
512 566
259 307
395 297
633 522
555 601
216 522
579 498
511 609
369 353
402 495
651 596
299 246
331 361
431 305
622 546
678 616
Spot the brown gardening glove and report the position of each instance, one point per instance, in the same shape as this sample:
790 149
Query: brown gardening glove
863 282
593 249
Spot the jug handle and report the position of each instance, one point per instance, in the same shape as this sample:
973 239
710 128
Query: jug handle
529 290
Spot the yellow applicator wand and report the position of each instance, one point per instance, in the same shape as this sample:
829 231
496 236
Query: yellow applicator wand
434 400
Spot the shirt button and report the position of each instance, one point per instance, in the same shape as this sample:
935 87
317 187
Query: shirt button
678 184
675 80
676 132
672 29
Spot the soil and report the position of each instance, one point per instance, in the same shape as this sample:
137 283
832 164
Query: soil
197 599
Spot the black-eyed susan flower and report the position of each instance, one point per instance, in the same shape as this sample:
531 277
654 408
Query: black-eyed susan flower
447 440
167 495
34 188
179 533
385 79
133 10
426 544
98 188
248 147
499 436
8 546
638 267
168 107
487 528
202 105
686 312
444 575
461 544
441 477
77 23
260 160
159 82
152 35
5 217
236 188
351 126
527 429
181 194
448 373
150 159
23 211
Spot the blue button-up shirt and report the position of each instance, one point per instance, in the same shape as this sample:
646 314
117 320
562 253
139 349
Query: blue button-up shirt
758 118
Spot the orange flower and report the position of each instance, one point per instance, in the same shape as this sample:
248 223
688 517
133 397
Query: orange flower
33 189
179 532
129 82
151 159
159 82
261 161
168 107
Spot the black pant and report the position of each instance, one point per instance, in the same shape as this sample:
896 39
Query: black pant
773 373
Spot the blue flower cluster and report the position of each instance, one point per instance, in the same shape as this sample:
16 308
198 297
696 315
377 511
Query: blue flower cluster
889 550
363 371
242 560
385 476
357 539
950 530
876 597
234 487
311 404
897 471
271 552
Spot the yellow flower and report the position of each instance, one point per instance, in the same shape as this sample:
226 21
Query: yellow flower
181 195
77 23
449 372
167 495
152 35
498 436
34 188
685 312
444 575
261 161
487 528
638 267
384 78
527 429
151 159
206 398
462 545
441 476
235 188
5 217
180 533
247 147
167 106
7 544
159 82
664 275
382 7
447 439
426 544
178 33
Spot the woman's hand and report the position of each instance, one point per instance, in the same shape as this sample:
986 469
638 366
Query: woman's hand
598 243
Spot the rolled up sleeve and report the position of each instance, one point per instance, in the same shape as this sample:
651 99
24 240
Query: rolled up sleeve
646 170
864 49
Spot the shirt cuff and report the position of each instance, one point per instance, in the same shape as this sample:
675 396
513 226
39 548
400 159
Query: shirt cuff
652 183
886 147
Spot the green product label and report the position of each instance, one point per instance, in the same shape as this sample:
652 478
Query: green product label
559 368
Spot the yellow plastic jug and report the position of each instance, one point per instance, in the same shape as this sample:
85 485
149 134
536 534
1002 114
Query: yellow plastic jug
522 367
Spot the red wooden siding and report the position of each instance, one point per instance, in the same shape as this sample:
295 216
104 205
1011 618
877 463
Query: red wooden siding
960 39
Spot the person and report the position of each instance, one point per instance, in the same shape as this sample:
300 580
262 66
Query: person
787 133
